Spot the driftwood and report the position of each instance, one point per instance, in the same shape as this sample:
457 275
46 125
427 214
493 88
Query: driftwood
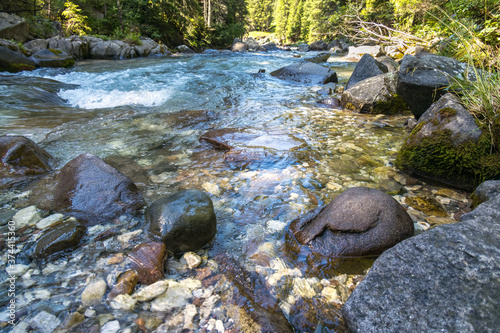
360 30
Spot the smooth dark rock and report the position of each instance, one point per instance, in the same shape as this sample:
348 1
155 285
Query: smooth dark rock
61 237
360 221
306 72
89 186
148 261
185 220
375 95
14 62
331 102
318 46
270 47
319 58
366 67
448 147
443 280
52 58
423 77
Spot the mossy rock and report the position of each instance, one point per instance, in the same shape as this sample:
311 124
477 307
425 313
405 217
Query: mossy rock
449 147
53 58
14 62
375 95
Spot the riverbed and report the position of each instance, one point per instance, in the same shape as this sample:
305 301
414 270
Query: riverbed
145 118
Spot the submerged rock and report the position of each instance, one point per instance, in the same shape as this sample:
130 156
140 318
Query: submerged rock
360 221
443 280
89 186
249 148
447 146
367 67
148 261
375 95
306 72
185 220
52 58
94 292
61 237
125 284
20 157
255 309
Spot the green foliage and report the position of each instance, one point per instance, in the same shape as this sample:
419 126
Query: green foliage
75 22
260 14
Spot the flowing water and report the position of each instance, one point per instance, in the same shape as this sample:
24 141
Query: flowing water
145 117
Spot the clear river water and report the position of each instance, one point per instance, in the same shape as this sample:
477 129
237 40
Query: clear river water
145 118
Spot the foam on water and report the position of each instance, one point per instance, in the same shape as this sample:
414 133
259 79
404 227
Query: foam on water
88 98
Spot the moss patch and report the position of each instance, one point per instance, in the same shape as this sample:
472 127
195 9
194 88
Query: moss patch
55 51
465 165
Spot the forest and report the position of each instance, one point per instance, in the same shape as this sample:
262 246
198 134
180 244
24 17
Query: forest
215 23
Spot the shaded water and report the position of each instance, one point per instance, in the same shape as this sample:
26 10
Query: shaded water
145 117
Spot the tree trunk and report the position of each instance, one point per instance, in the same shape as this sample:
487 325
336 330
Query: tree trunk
120 16
209 13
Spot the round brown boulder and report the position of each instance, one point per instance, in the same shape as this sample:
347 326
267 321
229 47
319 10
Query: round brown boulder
360 221
92 190
20 155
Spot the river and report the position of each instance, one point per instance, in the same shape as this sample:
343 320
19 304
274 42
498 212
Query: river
145 117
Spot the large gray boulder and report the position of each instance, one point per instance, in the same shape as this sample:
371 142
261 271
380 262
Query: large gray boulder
375 95
76 46
318 46
185 221
367 67
423 77
111 49
36 45
360 221
52 58
91 190
13 27
306 72
185 49
447 146
443 280
239 47
14 62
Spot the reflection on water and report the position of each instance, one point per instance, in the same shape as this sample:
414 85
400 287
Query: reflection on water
145 117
